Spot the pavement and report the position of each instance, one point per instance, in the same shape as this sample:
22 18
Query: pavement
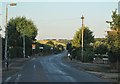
15 65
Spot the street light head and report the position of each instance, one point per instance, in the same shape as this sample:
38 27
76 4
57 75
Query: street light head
13 4
108 21
82 17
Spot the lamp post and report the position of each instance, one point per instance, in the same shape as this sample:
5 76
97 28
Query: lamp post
82 35
6 32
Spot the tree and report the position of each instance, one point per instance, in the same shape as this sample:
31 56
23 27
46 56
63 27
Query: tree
113 38
88 50
77 38
100 47
101 40
60 47
26 27
17 28
115 23
88 37
64 41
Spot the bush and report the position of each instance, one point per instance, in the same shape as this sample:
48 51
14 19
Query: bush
88 56
112 57
76 53
100 47
46 48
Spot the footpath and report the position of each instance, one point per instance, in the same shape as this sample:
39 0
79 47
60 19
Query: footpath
102 71
15 65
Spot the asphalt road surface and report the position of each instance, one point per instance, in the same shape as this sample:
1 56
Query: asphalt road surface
51 69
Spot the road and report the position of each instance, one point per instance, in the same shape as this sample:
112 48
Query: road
51 69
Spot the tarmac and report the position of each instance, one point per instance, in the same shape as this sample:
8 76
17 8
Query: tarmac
103 71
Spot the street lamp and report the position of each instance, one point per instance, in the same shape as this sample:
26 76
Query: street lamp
6 36
13 4
82 35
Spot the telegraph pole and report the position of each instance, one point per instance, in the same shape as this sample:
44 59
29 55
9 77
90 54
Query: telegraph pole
82 35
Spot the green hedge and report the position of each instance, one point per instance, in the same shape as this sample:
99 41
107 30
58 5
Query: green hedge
87 55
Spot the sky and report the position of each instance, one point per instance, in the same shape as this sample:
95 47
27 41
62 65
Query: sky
62 19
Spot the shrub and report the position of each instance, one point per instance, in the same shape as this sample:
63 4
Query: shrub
88 56
76 53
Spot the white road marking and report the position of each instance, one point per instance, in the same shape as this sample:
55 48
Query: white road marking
7 80
72 79
64 64
33 59
18 78
34 66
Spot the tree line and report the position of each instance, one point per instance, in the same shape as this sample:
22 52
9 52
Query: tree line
110 45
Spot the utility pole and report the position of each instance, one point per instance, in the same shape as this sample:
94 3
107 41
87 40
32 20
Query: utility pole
6 34
82 36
